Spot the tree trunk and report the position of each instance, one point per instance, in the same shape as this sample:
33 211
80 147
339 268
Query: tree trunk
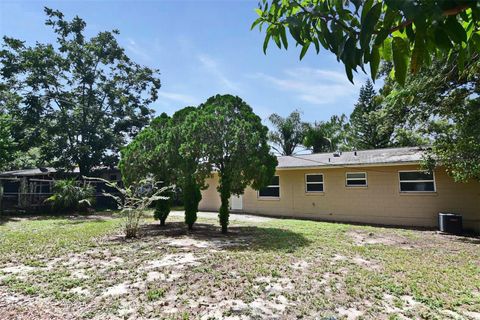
224 207
191 198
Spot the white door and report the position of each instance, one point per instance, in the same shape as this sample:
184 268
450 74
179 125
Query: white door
236 203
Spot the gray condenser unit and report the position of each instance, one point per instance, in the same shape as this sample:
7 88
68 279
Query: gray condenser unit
450 222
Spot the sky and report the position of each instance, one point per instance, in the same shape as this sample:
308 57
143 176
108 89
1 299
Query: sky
203 48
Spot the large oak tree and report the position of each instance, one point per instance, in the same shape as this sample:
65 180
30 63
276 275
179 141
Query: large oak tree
81 98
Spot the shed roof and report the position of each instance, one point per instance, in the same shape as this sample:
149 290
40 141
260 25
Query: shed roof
45 171
390 156
28 172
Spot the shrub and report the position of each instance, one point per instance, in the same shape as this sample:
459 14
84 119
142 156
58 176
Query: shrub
162 209
70 195
134 200
191 198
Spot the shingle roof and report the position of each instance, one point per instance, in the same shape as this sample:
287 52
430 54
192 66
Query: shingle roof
44 171
353 158
32 172
28 172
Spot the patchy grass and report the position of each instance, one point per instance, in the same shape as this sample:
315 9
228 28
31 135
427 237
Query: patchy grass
265 268
23 240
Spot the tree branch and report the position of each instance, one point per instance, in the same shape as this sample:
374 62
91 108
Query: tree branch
327 18
446 13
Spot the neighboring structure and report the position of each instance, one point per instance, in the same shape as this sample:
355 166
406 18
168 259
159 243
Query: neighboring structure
384 186
26 190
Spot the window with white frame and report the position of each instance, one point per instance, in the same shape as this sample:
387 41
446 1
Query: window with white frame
272 190
314 182
356 179
416 181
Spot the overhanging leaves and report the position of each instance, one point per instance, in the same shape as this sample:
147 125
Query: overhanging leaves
428 28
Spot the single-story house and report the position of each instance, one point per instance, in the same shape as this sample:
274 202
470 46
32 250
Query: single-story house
382 186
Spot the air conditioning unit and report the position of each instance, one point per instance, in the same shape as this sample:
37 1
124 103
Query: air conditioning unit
450 222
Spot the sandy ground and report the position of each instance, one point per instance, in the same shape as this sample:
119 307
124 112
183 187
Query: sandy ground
170 273
233 216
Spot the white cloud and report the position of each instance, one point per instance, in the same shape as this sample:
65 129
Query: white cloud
213 67
178 97
315 86
133 47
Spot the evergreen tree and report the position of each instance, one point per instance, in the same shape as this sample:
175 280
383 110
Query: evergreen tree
371 127
234 143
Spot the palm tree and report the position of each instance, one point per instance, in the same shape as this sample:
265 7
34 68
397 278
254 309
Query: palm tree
288 132
327 136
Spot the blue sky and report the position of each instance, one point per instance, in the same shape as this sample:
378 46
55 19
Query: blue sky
203 48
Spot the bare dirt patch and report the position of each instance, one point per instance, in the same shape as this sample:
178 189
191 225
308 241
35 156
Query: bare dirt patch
117 290
20 269
366 263
21 307
179 260
350 313
362 238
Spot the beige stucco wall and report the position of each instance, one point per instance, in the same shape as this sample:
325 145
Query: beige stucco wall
210 197
380 202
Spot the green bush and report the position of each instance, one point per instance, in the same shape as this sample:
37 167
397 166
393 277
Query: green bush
162 208
191 198
69 196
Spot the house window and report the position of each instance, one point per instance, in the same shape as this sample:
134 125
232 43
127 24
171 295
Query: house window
314 182
416 181
272 190
356 179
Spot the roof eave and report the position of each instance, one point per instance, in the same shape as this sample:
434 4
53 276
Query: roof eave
336 166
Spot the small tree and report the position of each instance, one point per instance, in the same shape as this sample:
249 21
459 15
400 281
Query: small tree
191 198
234 142
189 166
162 209
134 200
148 156
160 151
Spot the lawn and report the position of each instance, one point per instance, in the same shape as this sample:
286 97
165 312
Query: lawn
81 268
